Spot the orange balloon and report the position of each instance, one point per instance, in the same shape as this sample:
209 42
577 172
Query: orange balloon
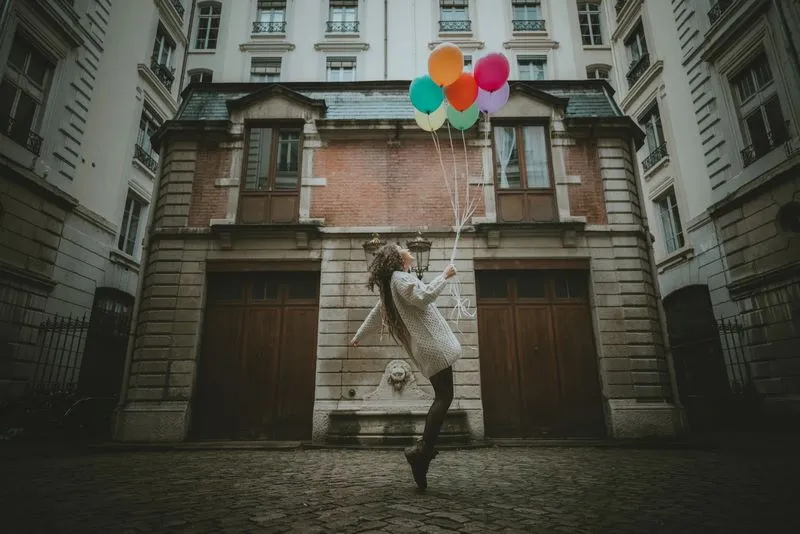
463 92
445 64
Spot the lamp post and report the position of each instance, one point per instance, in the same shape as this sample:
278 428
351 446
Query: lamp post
371 247
421 249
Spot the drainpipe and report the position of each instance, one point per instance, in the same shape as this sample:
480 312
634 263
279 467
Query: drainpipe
385 39
188 44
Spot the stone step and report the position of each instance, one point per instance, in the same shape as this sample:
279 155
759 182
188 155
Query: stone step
363 427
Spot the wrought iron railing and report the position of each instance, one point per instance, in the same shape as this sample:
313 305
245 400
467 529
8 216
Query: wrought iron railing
716 11
637 69
620 5
165 74
529 25
765 145
22 136
654 157
342 27
145 158
455 25
178 7
269 27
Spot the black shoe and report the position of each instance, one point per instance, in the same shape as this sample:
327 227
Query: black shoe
419 459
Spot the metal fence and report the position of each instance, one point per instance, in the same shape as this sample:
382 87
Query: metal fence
731 334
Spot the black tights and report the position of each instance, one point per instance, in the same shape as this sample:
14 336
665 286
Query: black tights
442 383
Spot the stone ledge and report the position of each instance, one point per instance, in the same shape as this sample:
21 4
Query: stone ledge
631 419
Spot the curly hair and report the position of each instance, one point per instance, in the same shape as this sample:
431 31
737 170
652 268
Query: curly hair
387 261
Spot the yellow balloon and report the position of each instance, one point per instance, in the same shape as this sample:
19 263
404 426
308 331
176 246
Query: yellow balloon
431 121
445 64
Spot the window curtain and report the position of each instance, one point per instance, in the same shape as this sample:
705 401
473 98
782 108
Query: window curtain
536 170
505 140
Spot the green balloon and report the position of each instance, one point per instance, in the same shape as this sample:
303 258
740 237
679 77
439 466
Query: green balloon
425 95
463 120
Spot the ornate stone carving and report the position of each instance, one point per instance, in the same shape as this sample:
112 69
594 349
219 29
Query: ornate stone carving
398 383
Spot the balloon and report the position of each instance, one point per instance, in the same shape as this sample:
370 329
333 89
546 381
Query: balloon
425 95
490 102
491 71
463 119
445 64
462 93
431 121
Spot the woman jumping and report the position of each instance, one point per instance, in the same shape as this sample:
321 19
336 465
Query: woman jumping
407 307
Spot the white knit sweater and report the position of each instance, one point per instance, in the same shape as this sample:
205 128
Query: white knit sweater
434 347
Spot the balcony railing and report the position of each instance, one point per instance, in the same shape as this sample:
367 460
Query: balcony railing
145 158
21 136
637 69
528 25
765 145
620 5
455 25
654 157
719 7
178 5
269 27
165 74
342 27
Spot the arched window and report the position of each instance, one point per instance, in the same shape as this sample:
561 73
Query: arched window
208 16
201 76
598 72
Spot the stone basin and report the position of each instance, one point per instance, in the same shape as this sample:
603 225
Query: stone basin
392 426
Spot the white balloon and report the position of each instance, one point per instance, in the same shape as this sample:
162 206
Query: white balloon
431 121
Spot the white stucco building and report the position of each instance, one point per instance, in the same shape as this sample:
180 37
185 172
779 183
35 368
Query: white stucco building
84 84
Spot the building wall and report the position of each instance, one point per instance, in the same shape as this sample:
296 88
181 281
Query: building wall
413 30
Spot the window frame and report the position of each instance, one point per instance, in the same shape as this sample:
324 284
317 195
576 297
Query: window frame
333 9
533 60
673 212
638 36
341 59
149 117
271 11
453 6
596 69
652 113
125 237
202 72
22 84
267 61
162 42
757 102
214 15
584 11
530 215
536 5
277 128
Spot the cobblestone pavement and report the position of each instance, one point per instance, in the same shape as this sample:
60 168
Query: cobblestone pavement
471 491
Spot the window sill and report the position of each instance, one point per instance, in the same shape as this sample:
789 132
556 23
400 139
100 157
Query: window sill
456 34
529 33
202 52
125 260
343 35
652 171
268 35
597 47
142 167
673 259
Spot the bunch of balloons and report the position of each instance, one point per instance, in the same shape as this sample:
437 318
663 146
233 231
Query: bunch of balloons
486 89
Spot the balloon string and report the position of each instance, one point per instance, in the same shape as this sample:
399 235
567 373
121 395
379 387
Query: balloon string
455 174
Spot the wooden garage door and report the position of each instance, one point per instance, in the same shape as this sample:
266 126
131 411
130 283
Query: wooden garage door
539 373
258 358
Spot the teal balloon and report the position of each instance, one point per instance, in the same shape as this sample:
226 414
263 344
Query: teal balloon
425 95
463 120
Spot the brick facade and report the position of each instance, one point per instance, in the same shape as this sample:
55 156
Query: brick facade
354 186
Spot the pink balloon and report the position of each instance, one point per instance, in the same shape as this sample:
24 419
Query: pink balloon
492 101
491 71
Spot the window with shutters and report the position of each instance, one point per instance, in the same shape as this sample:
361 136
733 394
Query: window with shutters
341 69
763 125
265 69
523 175
270 191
